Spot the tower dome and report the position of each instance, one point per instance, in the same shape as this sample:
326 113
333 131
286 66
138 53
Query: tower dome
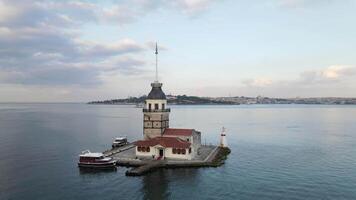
156 91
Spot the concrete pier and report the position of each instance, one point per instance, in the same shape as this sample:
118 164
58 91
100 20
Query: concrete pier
125 156
149 166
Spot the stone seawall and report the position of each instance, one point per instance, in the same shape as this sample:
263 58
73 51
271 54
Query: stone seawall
216 158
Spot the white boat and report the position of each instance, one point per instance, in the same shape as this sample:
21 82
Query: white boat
88 159
140 105
119 141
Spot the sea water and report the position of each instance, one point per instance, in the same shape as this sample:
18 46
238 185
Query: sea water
278 152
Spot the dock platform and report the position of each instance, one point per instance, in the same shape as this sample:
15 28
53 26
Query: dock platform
143 169
125 156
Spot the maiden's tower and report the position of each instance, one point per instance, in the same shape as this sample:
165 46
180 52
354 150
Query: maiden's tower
160 141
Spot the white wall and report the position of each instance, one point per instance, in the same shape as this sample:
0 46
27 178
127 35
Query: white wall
195 140
186 156
145 154
167 153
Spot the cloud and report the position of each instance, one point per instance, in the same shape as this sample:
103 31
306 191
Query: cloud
330 74
303 3
152 45
194 6
291 3
335 80
119 47
42 45
39 47
258 82
40 41
39 54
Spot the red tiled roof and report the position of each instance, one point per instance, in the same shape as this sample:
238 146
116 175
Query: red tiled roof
178 132
165 142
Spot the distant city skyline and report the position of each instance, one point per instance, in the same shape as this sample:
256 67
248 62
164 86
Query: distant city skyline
79 51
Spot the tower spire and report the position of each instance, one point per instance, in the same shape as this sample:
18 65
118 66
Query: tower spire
156 63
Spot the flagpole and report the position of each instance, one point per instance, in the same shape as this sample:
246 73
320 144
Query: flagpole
156 63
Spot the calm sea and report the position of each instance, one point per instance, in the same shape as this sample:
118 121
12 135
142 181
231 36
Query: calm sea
278 152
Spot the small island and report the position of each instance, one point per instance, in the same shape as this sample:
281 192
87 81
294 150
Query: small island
163 146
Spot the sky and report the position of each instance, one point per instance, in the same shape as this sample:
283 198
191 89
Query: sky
79 51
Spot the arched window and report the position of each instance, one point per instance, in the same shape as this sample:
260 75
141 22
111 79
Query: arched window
178 151
190 150
148 149
183 151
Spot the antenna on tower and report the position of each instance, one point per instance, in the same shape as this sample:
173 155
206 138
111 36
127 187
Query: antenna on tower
156 63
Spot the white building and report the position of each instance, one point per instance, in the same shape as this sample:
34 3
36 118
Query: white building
173 144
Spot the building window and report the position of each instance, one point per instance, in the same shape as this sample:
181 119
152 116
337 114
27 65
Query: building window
174 150
149 106
178 151
163 106
188 139
156 106
143 149
190 150
183 151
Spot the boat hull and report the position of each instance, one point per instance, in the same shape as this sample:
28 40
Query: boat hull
107 165
116 145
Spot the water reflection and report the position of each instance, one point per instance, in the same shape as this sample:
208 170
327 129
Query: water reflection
85 171
156 185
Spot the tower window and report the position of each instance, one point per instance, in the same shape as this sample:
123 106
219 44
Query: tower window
163 106
156 106
149 106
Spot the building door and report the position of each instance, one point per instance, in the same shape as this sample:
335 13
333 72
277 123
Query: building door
161 152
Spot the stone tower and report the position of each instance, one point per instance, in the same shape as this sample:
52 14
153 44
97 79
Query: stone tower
155 112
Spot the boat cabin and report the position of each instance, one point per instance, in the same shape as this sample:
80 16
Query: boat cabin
95 160
119 141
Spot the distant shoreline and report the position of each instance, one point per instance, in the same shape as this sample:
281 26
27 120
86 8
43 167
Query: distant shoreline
195 100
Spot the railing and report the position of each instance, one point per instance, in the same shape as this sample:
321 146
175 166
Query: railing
157 110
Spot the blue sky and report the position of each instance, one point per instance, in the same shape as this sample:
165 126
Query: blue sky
94 50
